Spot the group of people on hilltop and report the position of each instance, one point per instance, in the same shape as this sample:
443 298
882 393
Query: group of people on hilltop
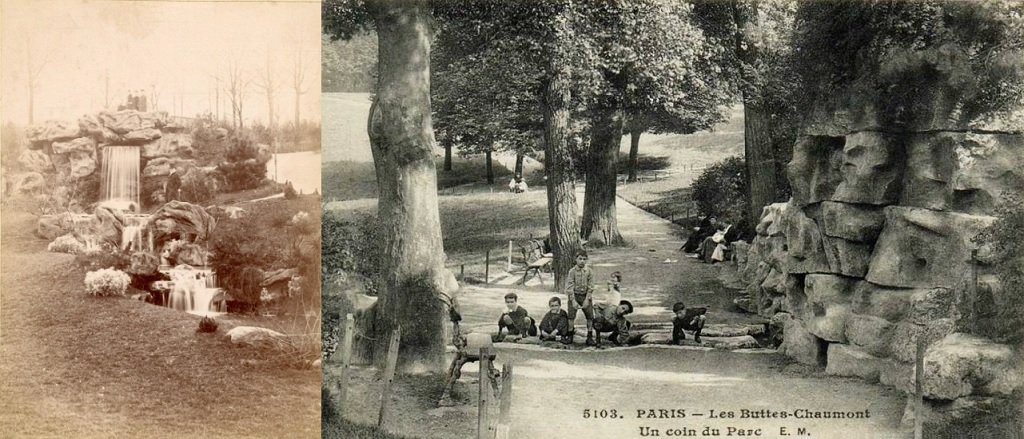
602 317
136 100
712 239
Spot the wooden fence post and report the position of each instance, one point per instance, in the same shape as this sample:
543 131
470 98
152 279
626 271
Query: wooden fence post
505 403
389 377
919 390
487 268
462 271
346 359
483 430
509 256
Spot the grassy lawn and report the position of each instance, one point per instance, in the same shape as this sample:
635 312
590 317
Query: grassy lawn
77 366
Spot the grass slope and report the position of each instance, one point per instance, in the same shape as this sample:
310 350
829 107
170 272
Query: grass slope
77 366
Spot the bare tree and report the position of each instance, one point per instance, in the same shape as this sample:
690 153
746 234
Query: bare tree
298 79
238 82
35 67
267 82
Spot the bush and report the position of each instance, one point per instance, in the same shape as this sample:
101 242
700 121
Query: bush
207 325
244 168
352 247
643 163
66 244
104 257
197 187
106 282
720 190
1001 316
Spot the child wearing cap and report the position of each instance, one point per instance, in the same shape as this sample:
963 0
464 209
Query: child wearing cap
689 319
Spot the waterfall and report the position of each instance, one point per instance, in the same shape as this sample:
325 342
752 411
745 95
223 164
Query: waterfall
194 290
121 176
136 236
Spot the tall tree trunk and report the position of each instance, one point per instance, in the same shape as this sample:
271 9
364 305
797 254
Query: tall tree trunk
634 149
600 226
31 102
447 156
558 167
519 163
760 160
758 153
490 168
298 94
401 139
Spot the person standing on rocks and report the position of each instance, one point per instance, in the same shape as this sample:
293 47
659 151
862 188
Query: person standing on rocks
172 188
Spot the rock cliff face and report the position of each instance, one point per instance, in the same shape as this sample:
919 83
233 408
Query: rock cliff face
63 151
873 252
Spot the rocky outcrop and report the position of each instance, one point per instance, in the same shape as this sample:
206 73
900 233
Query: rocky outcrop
168 145
181 220
40 136
144 264
36 161
961 365
254 336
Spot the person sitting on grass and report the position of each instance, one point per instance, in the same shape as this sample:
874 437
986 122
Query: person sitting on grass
579 287
609 318
555 323
515 323
687 318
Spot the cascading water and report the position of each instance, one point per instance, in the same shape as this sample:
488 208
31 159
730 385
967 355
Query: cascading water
195 290
135 235
121 176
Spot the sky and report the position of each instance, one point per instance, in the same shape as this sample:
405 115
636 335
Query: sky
173 50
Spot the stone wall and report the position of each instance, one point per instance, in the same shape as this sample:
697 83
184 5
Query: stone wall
874 252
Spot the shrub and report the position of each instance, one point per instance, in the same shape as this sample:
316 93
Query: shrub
243 169
106 282
720 190
106 256
1000 316
197 187
66 244
644 162
207 325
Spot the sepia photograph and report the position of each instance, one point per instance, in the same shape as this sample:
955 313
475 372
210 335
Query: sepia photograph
696 218
160 219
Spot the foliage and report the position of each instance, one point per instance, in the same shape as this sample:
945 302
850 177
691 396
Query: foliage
305 137
900 54
352 246
643 163
1005 319
66 244
10 143
348 65
243 167
106 282
197 186
207 325
105 256
209 138
720 190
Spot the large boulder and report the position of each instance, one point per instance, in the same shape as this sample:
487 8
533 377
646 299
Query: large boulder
35 161
27 183
872 169
49 227
990 166
892 304
869 333
930 165
896 374
162 166
858 223
905 335
169 145
81 144
254 336
814 171
110 225
805 252
771 220
801 345
827 305
962 365
144 264
139 137
181 220
927 305
39 136
849 361
192 254
921 248
125 121
81 164
847 258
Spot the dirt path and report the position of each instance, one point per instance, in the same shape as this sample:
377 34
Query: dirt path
554 387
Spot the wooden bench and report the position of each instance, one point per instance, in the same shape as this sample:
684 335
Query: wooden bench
536 266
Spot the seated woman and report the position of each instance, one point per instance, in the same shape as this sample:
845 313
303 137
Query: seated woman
703 230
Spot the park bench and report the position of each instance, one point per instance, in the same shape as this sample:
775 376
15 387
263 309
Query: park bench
542 263
536 257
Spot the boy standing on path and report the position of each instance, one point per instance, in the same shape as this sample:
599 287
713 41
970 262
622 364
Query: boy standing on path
579 287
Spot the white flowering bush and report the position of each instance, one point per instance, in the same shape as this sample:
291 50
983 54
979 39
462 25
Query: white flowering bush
66 244
106 282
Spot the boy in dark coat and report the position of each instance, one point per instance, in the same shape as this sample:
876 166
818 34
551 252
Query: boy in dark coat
687 318
515 322
555 323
